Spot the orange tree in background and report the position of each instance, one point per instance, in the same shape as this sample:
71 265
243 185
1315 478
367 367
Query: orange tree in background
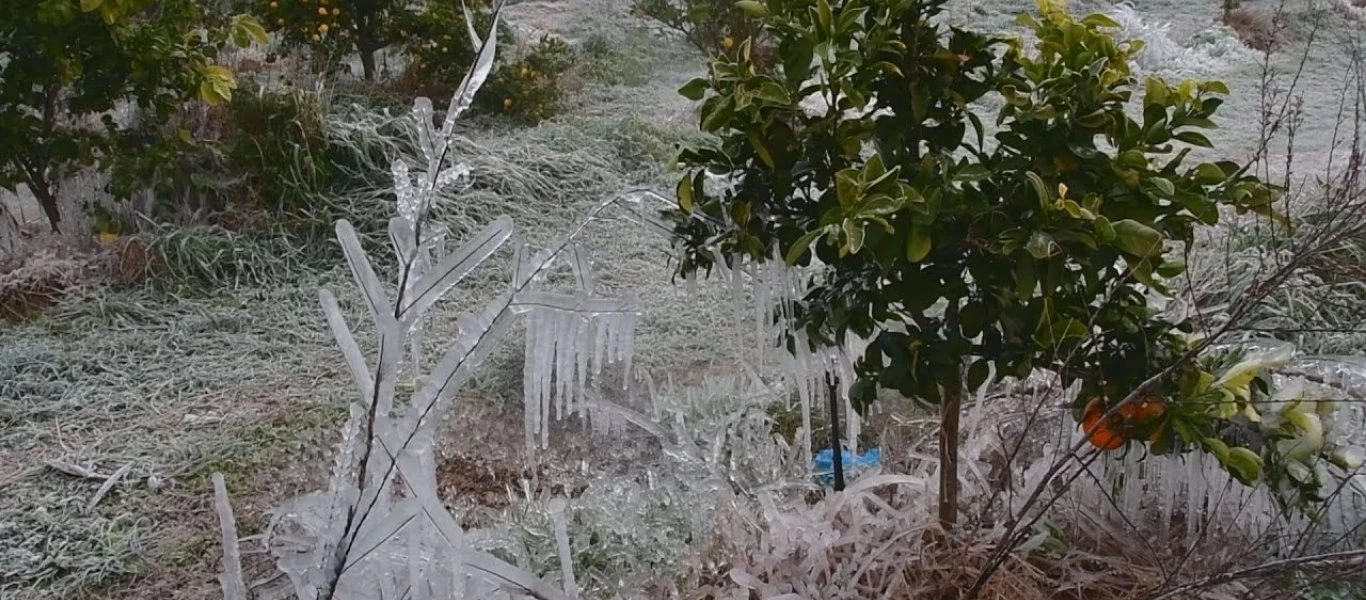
66 64
716 27
335 28
1037 251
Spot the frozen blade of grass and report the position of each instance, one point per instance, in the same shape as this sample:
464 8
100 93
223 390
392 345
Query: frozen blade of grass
364 273
378 532
479 333
455 267
557 507
513 576
355 360
475 78
108 485
469 26
74 470
234 587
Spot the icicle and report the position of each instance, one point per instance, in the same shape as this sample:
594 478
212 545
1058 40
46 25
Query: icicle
530 380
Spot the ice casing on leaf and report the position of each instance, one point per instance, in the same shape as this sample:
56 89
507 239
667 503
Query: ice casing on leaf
445 274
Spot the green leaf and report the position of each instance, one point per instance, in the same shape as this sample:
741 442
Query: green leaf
1040 245
695 89
846 187
246 29
972 318
1216 447
685 195
1040 190
972 173
803 244
1137 239
1099 20
1208 174
918 244
1025 279
773 93
1194 138
1244 464
1061 331
90 5
759 148
1215 87
1155 92
880 205
1133 159
1171 269
1105 229
853 233
978 373
824 16
752 8
1163 184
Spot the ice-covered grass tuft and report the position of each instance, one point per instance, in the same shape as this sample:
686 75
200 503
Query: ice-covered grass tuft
1211 52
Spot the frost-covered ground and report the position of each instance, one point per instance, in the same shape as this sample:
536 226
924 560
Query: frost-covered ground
246 381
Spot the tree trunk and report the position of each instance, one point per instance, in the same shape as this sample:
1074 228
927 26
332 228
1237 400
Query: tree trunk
951 403
836 448
42 191
367 63
948 451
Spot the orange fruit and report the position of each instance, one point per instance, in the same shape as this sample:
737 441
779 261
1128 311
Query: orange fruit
1143 409
1097 432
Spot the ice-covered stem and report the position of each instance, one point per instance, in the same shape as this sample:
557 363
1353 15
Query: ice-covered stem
234 586
557 508
407 236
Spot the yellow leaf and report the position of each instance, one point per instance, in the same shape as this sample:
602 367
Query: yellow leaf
685 195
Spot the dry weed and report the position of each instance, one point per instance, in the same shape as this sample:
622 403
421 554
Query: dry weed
39 281
1257 29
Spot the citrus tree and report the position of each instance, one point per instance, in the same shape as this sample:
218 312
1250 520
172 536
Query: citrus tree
431 33
1036 245
66 65
716 27
335 28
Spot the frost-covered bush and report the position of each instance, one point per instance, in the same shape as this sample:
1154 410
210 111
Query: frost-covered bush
1210 52
380 525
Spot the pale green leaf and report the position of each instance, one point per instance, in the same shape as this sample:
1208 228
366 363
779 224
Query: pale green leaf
918 244
1137 239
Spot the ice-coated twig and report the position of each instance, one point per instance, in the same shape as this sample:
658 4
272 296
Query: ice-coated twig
108 485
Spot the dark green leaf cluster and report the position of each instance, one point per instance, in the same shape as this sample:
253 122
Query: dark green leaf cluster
66 65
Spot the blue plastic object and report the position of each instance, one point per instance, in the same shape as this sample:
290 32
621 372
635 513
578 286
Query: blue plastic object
824 465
